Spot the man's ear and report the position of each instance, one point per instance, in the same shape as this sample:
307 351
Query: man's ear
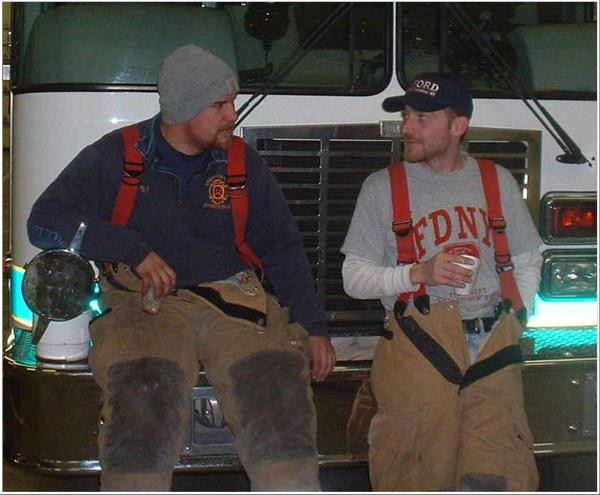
460 125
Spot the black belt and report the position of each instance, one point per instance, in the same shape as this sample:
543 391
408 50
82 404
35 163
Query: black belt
230 309
478 325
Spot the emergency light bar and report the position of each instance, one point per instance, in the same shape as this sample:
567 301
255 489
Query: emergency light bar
569 274
569 217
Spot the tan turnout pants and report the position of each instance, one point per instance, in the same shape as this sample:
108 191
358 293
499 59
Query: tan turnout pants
148 364
430 436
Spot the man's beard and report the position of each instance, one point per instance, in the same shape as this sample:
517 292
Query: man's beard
224 139
414 154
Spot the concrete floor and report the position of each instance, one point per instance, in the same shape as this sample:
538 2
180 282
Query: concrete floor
569 473
16 479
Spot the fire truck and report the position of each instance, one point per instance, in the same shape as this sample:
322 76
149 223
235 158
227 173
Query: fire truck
313 76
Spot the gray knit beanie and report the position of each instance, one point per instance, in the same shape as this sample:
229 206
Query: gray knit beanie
190 80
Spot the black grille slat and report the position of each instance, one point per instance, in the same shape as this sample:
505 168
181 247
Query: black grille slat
497 147
383 145
270 145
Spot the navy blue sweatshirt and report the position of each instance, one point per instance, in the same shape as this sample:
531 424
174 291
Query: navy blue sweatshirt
180 214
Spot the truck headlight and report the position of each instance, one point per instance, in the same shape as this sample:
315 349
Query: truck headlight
569 274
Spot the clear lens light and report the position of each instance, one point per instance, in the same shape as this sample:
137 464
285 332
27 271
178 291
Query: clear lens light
572 277
569 275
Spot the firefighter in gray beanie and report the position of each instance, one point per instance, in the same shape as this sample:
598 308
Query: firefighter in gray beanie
181 251
190 80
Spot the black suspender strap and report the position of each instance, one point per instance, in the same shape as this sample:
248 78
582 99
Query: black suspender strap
504 357
434 352
446 366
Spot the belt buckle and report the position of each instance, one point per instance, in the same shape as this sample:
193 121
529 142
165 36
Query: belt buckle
473 326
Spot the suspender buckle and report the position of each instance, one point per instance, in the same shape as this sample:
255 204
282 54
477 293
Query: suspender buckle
498 224
505 268
132 173
503 263
399 309
237 182
402 228
422 304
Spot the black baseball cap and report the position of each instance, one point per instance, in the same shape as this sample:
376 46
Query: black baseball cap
431 92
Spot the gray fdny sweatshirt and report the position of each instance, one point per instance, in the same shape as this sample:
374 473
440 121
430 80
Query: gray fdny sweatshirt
449 210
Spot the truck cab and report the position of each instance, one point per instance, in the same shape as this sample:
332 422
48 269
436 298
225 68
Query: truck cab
313 76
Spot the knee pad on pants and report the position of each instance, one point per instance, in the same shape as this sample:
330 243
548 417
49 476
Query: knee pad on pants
480 482
146 401
276 415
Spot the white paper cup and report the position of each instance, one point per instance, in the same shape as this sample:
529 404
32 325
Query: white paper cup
464 291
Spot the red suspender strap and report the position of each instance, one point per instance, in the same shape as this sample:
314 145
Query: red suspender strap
497 222
402 223
238 193
236 179
133 167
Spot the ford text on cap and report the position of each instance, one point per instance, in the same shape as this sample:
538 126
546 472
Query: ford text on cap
431 92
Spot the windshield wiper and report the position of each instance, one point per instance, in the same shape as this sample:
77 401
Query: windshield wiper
572 152
293 60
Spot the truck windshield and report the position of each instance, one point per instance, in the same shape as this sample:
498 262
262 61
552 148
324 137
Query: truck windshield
550 46
122 44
